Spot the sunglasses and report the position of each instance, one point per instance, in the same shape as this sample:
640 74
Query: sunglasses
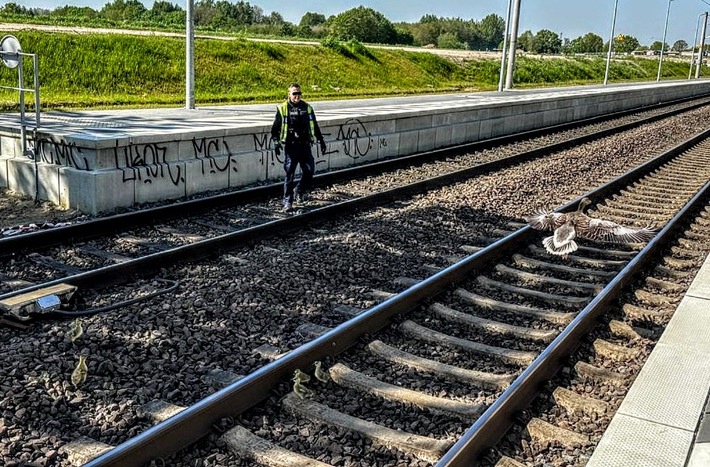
298 93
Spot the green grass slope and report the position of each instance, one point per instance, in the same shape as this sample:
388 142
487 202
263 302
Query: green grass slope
111 70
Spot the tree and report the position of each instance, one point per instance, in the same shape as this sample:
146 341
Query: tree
257 14
679 45
205 12
123 10
466 32
363 24
625 44
14 9
474 35
492 30
526 41
404 37
547 42
161 7
225 15
311 19
75 12
234 14
287 29
448 40
429 19
274 19
166 13
589 43
425 32
656 46
566 45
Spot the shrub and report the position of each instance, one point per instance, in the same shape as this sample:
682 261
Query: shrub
357 48
335 45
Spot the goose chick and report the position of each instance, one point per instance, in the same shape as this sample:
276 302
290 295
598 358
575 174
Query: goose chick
78 376
77 330
320 374
567 227
298 379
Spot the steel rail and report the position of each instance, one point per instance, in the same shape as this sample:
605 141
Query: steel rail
195 421
495 421
122 272
169 436
122 222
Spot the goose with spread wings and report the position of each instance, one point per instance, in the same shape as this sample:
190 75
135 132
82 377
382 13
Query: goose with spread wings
568 226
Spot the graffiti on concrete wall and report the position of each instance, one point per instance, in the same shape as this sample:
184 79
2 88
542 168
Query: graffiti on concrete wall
263 147
60 153
148 162
354 139
207 151
267 155
145 163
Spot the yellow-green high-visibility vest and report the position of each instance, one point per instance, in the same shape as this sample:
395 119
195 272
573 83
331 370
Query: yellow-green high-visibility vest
283 110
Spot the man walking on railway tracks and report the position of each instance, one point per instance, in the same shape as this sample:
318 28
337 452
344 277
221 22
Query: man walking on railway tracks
294 130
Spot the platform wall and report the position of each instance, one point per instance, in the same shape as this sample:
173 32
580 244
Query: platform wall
100 175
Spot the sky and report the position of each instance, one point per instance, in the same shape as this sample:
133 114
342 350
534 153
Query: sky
643 19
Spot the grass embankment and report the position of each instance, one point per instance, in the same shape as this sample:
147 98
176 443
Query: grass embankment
109 70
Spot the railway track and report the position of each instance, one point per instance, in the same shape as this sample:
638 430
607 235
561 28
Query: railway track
403 381
194 229
280 292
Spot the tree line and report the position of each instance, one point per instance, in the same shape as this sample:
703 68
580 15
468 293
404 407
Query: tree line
360 24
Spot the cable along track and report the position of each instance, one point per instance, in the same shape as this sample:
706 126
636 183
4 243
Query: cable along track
112 258
478 352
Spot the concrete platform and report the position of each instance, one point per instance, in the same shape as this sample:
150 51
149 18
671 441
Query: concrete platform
664 420
100 160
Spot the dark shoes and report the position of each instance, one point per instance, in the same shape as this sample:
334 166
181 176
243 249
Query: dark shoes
301 198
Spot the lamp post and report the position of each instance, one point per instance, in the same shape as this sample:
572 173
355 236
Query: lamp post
611 43
663 43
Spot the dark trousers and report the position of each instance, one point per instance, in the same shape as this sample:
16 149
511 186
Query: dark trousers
298 154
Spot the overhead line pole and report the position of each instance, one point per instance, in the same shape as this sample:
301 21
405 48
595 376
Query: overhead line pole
190 54
505 43
695 44
513 44
611 43
702 46
663 42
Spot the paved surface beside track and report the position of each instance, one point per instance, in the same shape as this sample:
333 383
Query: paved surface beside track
664 420
110 124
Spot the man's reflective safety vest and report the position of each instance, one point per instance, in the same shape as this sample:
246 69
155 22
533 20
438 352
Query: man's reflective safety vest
283 110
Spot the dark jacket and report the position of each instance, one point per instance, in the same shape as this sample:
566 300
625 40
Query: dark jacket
298 120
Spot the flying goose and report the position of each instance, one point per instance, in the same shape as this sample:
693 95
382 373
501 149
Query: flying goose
568 226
